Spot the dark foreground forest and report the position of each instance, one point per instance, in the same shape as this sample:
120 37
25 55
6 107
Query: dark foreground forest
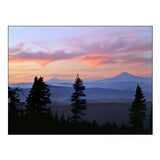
37 117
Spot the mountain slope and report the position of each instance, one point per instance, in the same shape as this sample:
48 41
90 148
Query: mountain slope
123 81
62 94
124 76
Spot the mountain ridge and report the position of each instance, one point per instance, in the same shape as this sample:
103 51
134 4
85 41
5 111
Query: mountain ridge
123 81
121 76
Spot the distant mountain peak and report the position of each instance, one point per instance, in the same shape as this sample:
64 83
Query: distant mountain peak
125 74
55 79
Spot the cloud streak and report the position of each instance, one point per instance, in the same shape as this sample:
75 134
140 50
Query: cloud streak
94 51
96 59
17 48
41 58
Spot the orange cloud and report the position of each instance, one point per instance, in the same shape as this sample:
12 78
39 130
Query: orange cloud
41 58
95 59
137 64
141 72
38 61
94 62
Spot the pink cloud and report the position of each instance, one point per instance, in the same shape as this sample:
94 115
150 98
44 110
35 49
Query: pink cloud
137 64
95 59
98 59
17 48
94 51
43 46
41 58
119 45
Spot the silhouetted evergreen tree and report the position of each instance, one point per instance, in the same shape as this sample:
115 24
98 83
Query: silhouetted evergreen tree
38 98
13 101
79 104
137 111
13 110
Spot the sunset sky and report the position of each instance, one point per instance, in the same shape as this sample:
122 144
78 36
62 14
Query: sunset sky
92 52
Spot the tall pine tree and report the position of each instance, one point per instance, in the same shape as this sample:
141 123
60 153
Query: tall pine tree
13 109
137 111
78 103
13 101
38 98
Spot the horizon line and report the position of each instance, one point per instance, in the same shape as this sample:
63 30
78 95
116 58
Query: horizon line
88 79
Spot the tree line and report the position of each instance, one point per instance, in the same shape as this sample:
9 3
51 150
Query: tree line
37 117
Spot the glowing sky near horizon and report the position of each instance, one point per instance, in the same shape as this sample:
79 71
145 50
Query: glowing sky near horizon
92 52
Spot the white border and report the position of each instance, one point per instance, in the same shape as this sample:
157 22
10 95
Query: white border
79 147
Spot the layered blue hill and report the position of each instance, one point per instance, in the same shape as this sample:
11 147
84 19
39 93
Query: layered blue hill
117 89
